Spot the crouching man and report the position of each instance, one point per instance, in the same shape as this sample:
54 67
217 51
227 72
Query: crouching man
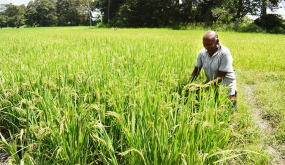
216 60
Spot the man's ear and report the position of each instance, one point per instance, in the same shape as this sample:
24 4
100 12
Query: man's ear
217 41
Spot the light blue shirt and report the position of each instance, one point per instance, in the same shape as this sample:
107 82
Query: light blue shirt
221 60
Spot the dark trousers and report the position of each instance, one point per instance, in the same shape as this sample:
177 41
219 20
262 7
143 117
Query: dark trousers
234 100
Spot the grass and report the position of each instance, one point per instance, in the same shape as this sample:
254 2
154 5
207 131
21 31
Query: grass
80 96
268 93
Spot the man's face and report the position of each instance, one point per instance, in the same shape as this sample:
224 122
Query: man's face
210 45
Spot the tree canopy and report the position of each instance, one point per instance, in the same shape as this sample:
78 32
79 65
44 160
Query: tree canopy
135 13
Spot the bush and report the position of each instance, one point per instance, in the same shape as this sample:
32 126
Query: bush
220 27
177 27
270 21
24 26
278 30
119 24
102 25
110 24
250 28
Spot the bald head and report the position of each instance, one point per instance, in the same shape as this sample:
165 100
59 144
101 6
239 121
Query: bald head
211 35
211 42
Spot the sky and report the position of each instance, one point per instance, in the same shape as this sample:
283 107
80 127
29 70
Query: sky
19 2
15 2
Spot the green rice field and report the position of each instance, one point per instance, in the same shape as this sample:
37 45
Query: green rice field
80 95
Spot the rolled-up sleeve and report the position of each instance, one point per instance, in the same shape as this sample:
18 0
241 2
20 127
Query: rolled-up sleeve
226 63
199 61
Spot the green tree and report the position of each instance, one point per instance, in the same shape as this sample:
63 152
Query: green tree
188 8
150 13
110 9
3 20
15 15
41 12
89 9
244 7
269 21
204 11
265 4
67 12
31 14
74 12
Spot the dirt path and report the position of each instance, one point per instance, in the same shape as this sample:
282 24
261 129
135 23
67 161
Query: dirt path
261 124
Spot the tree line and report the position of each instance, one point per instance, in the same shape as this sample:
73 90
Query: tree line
137 13
47 13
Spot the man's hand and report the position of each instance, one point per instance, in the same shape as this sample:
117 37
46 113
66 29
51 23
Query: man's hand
198 86
194 87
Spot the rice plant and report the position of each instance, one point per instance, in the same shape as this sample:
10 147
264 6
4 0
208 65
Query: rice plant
96 96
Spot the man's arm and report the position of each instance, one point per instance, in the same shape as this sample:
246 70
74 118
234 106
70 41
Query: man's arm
194 74
226 65
219 79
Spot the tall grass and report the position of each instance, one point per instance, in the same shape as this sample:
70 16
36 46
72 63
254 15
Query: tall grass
83 96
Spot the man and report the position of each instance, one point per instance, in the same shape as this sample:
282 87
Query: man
216 61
